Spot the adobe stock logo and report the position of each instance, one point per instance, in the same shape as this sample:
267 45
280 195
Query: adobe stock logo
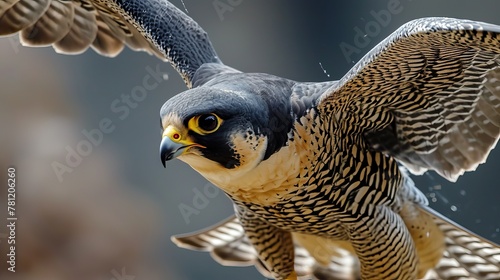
364 35
121 109
224 6
200 201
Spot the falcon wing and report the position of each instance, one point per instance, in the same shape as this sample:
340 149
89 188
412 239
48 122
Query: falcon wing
226 242
428 95
228 245
71 26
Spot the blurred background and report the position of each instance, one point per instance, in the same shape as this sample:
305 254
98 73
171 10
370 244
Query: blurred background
111 214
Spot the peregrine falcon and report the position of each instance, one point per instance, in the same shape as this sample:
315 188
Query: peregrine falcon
318 172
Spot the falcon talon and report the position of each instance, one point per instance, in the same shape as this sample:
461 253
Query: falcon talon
314 165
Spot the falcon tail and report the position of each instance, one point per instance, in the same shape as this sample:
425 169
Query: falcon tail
467 256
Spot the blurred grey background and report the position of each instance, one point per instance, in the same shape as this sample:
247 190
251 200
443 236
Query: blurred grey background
114 213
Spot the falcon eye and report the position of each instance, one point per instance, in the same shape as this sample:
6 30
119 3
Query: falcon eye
208 123
204 124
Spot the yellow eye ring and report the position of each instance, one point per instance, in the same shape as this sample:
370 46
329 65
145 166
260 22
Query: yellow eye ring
205 124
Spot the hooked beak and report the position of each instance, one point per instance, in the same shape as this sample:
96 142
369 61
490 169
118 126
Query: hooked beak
170 150
173 145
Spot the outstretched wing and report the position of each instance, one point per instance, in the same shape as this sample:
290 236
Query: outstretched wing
229 246
428 95
71 26
226 242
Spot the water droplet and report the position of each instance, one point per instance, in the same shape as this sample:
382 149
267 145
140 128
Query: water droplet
187 12
324 71
478 221
453 208
463 193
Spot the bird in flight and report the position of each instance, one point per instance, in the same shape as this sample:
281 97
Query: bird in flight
318 172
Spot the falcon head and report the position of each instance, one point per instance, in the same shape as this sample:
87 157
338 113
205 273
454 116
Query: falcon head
222 134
